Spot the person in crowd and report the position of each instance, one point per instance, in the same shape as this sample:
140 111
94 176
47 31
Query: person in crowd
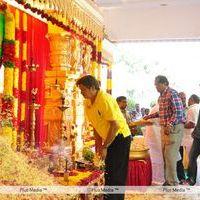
172 118
138 111
191 121
146 111
133 114
193 125
122 102
180 167
142 111
107 119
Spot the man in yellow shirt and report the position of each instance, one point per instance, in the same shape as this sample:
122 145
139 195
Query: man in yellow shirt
105 116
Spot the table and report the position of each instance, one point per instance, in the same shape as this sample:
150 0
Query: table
139 172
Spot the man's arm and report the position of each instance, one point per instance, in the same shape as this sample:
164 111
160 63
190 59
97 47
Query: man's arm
177 108
111 133
191 119
154 115
98 142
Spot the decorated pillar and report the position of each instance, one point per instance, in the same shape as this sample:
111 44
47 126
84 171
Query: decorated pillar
21 38
16 77
109 78
57 84
99 56
86 59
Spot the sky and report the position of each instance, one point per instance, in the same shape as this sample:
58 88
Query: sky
179 61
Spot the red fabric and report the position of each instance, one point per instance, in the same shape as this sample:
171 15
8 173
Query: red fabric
38 53
139 173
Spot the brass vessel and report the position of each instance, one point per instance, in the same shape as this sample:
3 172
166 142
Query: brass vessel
139 154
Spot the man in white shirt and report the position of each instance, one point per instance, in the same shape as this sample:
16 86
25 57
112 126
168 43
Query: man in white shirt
191 120
193 123
138 112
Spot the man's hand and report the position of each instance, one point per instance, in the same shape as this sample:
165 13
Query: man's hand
103 153
168 129
146 117
189 125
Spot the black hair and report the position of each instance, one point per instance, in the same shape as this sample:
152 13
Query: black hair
88 81
120 98
195 98
162 79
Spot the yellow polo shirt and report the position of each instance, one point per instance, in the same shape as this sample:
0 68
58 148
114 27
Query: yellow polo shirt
103 110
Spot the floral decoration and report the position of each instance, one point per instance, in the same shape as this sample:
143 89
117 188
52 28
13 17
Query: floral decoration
8 53
7 111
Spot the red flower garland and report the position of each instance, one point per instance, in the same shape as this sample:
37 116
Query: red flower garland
7 112
3 6
8 53
95 174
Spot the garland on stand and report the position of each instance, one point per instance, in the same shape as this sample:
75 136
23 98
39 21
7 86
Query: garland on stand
8 60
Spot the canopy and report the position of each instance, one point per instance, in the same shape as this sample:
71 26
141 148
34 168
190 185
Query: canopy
141 20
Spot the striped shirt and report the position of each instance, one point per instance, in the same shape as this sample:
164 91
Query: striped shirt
171 111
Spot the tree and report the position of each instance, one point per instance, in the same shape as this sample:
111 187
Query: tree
130 99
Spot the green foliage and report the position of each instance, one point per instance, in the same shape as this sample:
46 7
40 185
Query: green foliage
131 104
8 64
9 41
137 130
130 99
88 154
8 98
6 123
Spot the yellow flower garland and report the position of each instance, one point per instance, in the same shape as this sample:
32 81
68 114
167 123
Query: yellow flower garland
14 140
9 26
7 134
16 18
9 75
23 111
17 48
15 107
8 81
24 81
16 78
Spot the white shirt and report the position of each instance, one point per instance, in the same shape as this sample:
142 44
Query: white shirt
191 116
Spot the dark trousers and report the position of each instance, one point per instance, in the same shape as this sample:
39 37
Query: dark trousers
116 165
180 167
194 153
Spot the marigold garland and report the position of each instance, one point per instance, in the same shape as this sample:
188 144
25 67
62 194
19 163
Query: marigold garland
8 80
10 26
